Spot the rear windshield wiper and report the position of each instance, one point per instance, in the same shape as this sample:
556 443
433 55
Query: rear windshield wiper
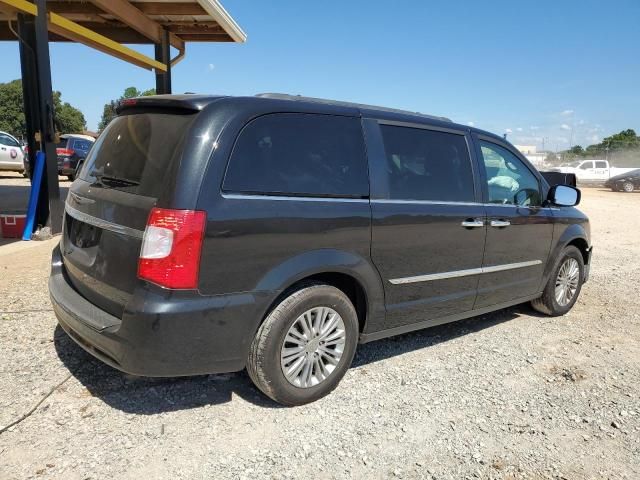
109 181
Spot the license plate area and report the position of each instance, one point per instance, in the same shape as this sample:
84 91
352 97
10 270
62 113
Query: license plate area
81 234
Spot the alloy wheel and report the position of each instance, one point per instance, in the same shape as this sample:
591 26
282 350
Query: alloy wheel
567 281
313 347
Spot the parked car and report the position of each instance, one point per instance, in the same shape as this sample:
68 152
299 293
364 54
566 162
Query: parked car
71 150
11 154
209 234
595 172
627 182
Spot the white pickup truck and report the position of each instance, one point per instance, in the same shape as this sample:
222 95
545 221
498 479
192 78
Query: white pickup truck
591 171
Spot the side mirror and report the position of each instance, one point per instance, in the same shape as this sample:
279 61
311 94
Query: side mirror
564 196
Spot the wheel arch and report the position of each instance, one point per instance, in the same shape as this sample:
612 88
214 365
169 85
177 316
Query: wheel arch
574 235
355 276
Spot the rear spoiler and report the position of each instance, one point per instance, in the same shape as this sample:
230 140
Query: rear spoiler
558 178
193 103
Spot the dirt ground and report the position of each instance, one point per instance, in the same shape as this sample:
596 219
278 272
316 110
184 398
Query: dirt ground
507 395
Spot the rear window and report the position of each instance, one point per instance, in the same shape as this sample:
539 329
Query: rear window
138 153
299 154
81 144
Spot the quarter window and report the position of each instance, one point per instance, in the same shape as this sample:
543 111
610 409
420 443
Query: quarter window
509 181
299 154
427 165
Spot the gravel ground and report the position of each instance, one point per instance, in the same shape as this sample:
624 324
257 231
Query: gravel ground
507 395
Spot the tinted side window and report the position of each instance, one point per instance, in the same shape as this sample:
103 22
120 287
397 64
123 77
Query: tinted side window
427 165
7 140
303 154
601 164
509 181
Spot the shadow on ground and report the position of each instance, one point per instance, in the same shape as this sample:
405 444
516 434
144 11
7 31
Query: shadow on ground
149 396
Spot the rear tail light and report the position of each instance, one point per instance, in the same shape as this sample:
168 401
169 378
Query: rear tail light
65 152
171 246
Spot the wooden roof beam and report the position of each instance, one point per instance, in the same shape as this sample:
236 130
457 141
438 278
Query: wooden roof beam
134 18
76 32
148 8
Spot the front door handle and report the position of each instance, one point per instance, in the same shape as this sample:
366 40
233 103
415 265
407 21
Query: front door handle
472 223
500 223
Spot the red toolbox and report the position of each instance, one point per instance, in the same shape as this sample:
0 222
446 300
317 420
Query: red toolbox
12 226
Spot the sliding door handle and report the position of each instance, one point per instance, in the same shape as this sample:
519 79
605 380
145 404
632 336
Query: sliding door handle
500 223
472 223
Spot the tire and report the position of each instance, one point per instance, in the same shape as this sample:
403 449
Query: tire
265 364
548 303
627 187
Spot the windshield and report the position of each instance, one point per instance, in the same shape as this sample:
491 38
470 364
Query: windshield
135 152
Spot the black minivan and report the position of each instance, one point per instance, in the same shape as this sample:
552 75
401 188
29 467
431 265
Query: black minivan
210 234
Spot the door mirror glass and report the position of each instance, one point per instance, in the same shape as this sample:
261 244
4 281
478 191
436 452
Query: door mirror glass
564 196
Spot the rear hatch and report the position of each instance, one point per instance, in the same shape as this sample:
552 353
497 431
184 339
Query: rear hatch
131 168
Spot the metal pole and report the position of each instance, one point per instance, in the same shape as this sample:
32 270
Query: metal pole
163 54
27 33
47 124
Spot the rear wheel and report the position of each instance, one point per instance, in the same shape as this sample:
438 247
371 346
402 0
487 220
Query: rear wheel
564 285
627 187
305 345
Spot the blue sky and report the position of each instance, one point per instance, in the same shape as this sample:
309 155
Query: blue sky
536 69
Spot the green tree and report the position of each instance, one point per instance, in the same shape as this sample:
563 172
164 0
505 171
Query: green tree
68 119
624 141
576 150
11 108
109 110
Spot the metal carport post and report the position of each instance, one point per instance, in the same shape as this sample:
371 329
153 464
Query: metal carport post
104 25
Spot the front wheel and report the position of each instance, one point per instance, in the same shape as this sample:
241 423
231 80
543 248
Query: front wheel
627 187
305 345
564 285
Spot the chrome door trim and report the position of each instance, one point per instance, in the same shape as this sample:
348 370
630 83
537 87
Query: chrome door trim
463 273
423 202
510 266
104 224
436 276
295 198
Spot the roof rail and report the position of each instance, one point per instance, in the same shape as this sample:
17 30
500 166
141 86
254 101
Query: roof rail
300 98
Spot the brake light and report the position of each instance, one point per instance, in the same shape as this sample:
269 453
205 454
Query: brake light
171 246
65 152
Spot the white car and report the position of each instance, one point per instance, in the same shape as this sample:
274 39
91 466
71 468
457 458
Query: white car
11 154
591 171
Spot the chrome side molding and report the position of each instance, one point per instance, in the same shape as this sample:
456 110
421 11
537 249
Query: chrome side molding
463 273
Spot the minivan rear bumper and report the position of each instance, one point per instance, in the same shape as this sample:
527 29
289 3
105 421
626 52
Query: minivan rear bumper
162 333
